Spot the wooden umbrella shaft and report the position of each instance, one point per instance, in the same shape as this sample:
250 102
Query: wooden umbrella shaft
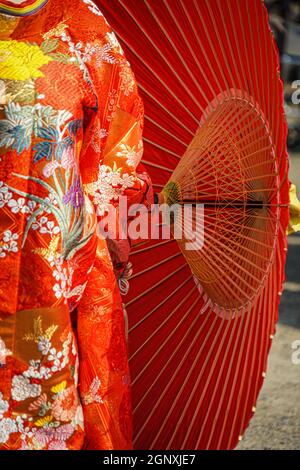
234 204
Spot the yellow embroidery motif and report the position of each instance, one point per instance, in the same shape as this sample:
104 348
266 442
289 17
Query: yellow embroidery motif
59 387
42 421
21 61
46 253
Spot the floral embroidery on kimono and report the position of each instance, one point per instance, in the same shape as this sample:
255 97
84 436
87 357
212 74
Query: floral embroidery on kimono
71 123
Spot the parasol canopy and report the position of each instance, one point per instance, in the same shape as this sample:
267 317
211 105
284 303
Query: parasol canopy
201 322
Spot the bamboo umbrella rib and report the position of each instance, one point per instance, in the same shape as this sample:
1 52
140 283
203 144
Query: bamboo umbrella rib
244 375
203 51
161 105
264 345
212 48
244 332
218 263
166 131
244 237
156 265
155 165
219 378
147 92
181 59
142 250
191 369
196 82
229 45
186 315
159 52
200 67
165 149
154 286
159 305
154 332
172 378
252 362
220 41
217 353
174 404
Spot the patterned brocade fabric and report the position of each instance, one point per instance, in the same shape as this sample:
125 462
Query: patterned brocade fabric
71 124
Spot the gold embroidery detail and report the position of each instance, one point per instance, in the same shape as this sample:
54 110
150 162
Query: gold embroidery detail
57 31
38 331
59 387
42 421
46 253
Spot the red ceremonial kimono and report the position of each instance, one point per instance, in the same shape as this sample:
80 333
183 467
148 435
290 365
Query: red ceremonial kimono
70 139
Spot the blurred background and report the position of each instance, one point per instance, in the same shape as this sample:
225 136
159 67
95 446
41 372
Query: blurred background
276 424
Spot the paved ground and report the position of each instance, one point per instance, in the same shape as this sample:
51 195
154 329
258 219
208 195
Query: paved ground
276 424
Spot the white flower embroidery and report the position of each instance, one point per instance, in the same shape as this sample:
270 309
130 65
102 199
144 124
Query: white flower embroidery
60 274
109 187
37 371
31 206
76 47
45 226
88 52
23 389
60 358
132 154
63 276
112 39
9 243
45 436
50 199
128 82
58 290
5 195
9 236
44 345
84 53
103 55
4 406
7 427
15 205
98 135
92 395
4 352
18 205
102 200
94 9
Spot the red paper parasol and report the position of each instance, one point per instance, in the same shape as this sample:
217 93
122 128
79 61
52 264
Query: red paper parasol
201 322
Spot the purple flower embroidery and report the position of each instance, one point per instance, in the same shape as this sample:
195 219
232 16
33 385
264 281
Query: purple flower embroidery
74 195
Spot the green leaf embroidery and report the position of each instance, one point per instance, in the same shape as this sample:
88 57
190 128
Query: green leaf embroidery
49 45
60 57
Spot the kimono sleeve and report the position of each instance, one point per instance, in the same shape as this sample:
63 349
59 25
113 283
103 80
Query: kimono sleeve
112 146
